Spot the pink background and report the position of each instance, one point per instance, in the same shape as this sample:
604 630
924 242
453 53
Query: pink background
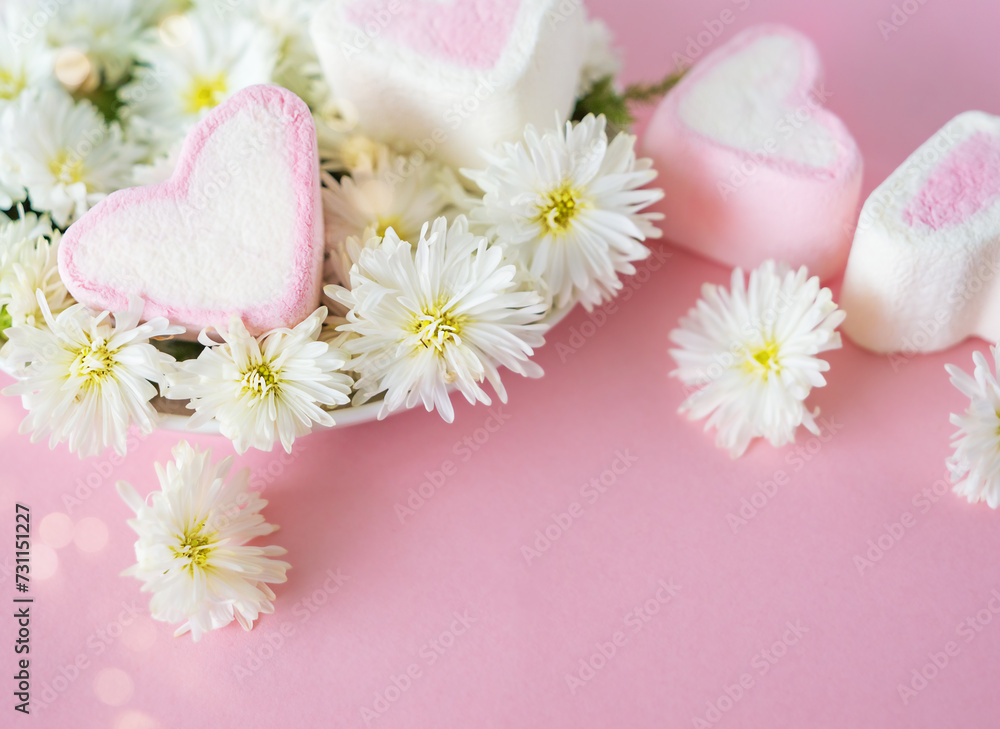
859 634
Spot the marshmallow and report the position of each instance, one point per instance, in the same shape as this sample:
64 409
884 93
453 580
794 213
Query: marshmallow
927 249
451 78
237 229
752 165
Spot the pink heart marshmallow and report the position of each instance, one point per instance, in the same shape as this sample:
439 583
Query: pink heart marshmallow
237 229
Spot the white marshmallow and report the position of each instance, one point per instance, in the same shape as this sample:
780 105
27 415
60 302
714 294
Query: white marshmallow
451 78
752 165
921 274
237 229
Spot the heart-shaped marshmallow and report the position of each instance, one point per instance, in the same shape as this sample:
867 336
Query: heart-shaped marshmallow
752 165
237 229
921 276
451 78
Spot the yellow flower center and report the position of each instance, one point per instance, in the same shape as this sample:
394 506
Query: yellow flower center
260 379
437 328
355 150
766 359
392 221
560 208
94 363
205 92
67 168
194 547
11 84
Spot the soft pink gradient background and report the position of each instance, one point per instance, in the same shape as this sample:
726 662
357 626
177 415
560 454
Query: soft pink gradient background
665 518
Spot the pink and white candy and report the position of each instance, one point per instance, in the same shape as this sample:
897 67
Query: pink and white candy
922 275
237 229
751 164
451 78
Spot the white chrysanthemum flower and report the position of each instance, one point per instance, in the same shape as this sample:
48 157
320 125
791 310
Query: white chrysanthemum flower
975 465
28 265
397 192
601 61
287 21
107 32
65 154
193 552
86 379
25 58
444 314
26 226
264 391
26 64
154 11
752 353
341 146
160 168
568 204
12 190
209 62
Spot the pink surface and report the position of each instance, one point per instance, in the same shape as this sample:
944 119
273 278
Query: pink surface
743 207
704 577
469 33
304 279
966 182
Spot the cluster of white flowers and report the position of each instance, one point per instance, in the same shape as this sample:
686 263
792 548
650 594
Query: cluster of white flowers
94 94
441 285
59 150
438 278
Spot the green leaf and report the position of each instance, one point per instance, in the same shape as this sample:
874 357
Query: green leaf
651 93
5 322
179 349
603 98
106 99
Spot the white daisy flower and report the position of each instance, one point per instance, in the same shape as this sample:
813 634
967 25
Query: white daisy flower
107 33
193 552
396 192
28 265
86 379
568 203
26 226
160 168
751 352
65 154
180 82
975 465
446 314
264 391
155 11
342 147
12 190
287 21
25 59
25 64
